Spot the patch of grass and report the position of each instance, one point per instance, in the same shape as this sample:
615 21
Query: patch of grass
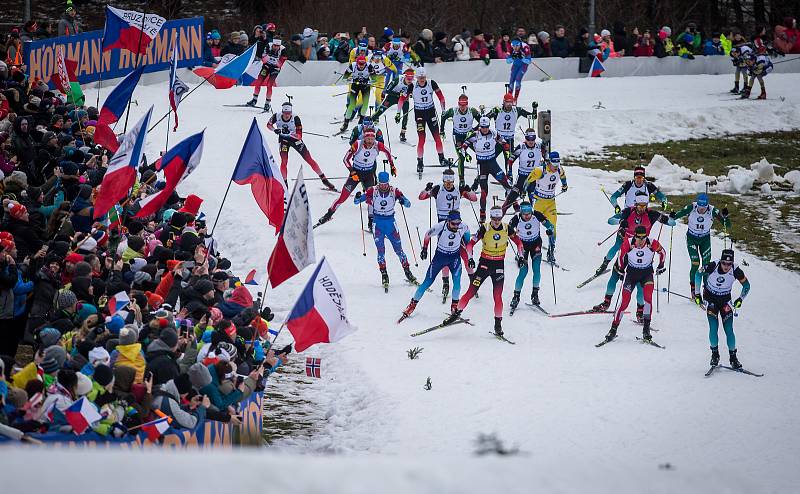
714 156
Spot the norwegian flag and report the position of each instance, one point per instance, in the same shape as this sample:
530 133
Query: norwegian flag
118 302
313 367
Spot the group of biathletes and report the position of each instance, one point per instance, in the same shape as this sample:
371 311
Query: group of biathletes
539 175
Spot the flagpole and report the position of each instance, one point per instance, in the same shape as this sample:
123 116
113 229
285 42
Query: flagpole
100 80
213 227
166 145
205 79
138 57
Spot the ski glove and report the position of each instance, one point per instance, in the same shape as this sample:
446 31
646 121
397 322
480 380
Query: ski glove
520 261
737 304
467 157
354 176
405 202
423 254
549 232
660 269
698 300
429 186
471 263
617 209
673 214
564 188
393 170
277 131
465 188
663 204
724 212
397 117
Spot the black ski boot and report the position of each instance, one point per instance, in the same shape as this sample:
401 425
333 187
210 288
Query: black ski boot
327 183
498 326
714 356
735 90
369 224
326 217
442 159
535 296
734 360
453 317
267 106
409 275
551 254
385 278
403 135
602 267
646 336
745 93
514 300
253 102
639 313
612 333
604 305
344 126
453 306
476 184
420 165
445 288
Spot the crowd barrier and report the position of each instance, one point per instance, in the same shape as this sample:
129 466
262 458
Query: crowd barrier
210 434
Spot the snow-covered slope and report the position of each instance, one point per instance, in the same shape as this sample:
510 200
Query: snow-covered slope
554 394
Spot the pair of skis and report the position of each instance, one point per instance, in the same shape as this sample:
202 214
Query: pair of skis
535 306
260 110
458 321
640 340
739 370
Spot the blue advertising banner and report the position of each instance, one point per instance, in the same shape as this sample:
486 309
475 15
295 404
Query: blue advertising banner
85 50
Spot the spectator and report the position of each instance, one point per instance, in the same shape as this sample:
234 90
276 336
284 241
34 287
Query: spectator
309 43
14 52
460 48
581 46
714 46
503 48
787 36
478 50
423 48
544 43
659 47
69 24
669 46
559 45
208 55
244 40
233 46
294 52
386 37
259 35
323 50
643 46
521 34
216 48
761 41
535 47
30 31
621 42
608 42
490 45
341 53
441 52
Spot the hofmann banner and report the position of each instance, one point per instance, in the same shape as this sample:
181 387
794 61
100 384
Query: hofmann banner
86 49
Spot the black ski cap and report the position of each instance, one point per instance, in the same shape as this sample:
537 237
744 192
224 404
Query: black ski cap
727 255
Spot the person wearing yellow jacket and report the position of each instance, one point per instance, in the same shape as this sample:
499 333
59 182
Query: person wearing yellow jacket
129 353
544 180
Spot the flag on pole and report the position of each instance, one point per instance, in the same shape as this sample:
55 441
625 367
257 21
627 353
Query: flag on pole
156 428
130 29
122 168
178 163
250 279
229 70
320 314
65 80
597 68
118 302
295 247
81 415
313 367
177 88
113 108
257 167
115 217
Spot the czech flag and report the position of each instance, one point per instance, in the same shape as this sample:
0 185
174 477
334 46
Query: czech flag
250 76
257 167
81 415
118 302
295 247
178 163
130 29
597 68
229 71
122 168
156 428
320 314
113 108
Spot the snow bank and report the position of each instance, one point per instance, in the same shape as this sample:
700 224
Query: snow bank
765 171
794 178
740 180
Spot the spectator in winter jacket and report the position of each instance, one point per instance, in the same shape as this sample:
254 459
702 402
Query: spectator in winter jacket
544 43
478 49
208 54
581 45
503 48
69 25
129 352
168 400
559 45
294 52
441 52
424 46
162 357
787 36
460 48
620 42
713 46
309 43
233 46
643 46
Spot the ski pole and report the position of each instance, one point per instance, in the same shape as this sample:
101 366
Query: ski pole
422 245
363 240
669 268
667 291
541 69
603 190
430 216
658 276
339 94
408 230
388 140
609 236
315 134
295 68
553 274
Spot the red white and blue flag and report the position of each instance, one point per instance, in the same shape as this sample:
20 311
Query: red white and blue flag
178 163
250 279
81 415
113 108
597 68
320 314
156 428
177 88
118 302
122 168
294 249
257 167
313 367
130 29
229 70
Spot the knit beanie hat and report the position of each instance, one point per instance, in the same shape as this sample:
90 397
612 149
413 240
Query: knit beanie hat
65 299
169 336
204 286
84 385
53 360
103 375
114 324
199 375
49 337
82 268
128 335
99 356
